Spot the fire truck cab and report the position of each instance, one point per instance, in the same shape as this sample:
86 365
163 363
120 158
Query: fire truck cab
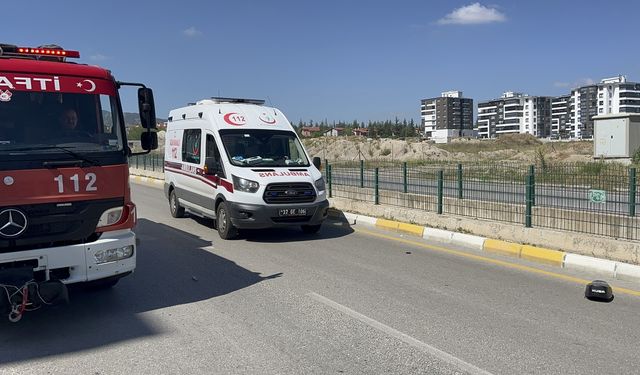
66 214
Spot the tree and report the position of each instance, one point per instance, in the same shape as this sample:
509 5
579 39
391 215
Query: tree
134 132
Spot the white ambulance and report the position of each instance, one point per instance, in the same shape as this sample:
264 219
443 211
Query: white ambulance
242 164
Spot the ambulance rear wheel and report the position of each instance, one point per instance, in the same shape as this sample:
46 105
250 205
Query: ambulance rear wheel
226 230
174 205
310 229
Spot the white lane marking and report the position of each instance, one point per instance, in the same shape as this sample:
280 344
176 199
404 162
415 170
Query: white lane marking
401 336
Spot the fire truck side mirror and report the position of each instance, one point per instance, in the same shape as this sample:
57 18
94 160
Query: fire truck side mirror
149 140
146 108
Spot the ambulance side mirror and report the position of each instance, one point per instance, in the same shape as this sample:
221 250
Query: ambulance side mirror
317 162
146 108
212 167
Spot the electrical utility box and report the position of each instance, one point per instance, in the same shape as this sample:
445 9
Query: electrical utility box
616 135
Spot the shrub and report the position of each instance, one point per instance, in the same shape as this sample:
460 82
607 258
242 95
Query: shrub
635 158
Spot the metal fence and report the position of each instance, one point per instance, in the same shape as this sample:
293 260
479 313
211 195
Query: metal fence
597 198
149 162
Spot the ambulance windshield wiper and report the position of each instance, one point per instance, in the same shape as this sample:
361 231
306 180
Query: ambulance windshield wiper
60 162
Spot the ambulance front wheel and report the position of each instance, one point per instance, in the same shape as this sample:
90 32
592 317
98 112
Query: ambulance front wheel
174 205
226 230
311 228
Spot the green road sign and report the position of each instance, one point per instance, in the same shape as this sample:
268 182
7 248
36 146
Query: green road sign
597 196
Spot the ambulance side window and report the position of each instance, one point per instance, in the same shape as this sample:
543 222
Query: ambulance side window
293 150
191 146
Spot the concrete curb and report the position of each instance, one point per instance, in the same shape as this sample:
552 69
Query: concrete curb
146 180
609 268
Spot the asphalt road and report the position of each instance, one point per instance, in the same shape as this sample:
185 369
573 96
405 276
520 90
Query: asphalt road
349 300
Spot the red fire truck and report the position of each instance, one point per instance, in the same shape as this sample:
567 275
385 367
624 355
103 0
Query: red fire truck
66 214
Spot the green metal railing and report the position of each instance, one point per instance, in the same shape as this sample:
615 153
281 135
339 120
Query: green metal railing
597 198
149 162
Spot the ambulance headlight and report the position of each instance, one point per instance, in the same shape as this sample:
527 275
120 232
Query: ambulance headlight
113 255
320 184
110 217
242 184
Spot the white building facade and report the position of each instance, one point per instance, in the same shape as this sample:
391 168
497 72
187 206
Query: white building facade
610 96
514 113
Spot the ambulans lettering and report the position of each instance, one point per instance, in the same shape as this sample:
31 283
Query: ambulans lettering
189 168
283 174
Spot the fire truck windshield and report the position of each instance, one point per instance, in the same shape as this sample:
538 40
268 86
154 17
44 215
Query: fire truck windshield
45 122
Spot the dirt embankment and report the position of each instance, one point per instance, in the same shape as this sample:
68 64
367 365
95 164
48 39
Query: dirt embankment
517 148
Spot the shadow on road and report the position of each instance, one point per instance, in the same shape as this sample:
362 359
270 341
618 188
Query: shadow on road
332 228
173 269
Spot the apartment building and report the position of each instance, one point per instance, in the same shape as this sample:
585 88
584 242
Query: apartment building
561 109
610 96
446 117
584 105
514 113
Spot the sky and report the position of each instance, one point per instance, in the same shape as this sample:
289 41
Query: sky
338 60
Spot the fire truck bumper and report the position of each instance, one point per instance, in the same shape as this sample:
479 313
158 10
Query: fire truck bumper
112 255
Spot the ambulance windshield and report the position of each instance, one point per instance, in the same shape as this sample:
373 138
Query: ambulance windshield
264 148
46 122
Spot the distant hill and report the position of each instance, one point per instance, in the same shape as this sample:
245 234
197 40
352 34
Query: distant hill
131 119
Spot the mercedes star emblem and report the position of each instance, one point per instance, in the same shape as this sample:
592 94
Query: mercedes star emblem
12 223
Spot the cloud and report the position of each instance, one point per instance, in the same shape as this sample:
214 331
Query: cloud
192 32
472 14
570 85
98 57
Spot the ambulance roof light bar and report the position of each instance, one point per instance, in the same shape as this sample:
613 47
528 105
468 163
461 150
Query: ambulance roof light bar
237 100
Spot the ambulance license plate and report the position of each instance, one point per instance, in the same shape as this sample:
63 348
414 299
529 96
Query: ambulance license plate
292 212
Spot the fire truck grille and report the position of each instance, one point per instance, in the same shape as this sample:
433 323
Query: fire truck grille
55 224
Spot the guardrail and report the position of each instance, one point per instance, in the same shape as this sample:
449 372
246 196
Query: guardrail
597 198
149 162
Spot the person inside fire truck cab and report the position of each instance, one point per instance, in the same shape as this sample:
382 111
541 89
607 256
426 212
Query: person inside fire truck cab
68 119
68 124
